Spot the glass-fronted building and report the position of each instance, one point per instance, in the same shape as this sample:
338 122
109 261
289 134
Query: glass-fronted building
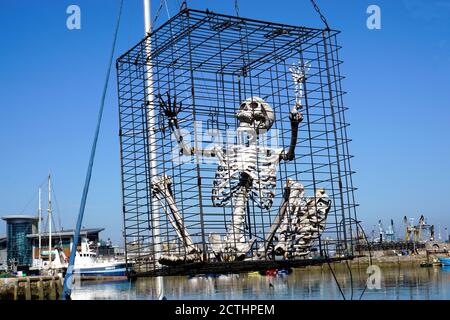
19 247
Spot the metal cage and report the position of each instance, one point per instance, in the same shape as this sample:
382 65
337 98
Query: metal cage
211 63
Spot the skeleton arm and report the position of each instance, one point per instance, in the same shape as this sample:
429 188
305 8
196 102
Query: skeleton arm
171 110
299 76
295 117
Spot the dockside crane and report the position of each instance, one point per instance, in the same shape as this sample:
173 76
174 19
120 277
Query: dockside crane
381 230
417 230
390 233
408 229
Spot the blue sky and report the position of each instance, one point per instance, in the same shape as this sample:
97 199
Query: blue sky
397 80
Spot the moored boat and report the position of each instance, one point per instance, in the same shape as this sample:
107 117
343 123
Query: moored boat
88 266
445 262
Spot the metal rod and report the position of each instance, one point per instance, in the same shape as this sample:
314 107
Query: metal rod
49 210
68 277
39 222
151 129
208 61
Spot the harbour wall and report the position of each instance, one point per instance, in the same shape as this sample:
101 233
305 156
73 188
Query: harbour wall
31 288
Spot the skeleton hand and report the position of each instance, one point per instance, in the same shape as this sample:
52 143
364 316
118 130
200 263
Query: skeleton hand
299 72
170 109
295 116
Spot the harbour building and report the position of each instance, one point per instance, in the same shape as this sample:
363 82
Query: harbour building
3 255
25 247
18 245
63 240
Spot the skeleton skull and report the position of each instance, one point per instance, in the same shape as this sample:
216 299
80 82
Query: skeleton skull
255 113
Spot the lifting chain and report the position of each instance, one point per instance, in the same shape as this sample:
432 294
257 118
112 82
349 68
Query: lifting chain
183 6
316 7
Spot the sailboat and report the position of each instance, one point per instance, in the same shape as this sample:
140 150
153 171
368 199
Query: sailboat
50 261
54 261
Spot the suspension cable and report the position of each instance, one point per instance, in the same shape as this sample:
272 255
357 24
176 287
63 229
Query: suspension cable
316 7
167 8
358 223
236 7
161 4
334 276
184 5
68 278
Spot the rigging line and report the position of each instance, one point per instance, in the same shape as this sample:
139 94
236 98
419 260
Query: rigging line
316 7
68 278
358 223
60 236
351 279
33 197
184 5
370 256
167 8
158 12
236 7
334 276
349 268
58 210
175 46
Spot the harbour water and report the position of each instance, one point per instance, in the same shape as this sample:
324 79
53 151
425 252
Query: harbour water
396 284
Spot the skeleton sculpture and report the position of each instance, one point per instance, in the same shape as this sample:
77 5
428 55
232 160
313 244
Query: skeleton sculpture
247 171
161 188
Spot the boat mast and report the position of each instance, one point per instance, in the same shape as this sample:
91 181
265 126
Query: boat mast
151 138
49 210
39 222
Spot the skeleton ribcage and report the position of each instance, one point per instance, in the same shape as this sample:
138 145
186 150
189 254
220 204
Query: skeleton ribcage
259 163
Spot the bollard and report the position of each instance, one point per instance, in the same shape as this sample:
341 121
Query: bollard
28 289
16 289
59 288
52 289
40 286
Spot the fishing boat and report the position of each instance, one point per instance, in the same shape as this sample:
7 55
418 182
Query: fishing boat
89 266
445 262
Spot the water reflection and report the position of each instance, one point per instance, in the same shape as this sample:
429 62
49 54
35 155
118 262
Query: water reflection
302 284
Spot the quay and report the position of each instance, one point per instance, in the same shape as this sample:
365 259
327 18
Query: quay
31 288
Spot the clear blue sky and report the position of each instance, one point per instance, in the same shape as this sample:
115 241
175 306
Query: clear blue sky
51 80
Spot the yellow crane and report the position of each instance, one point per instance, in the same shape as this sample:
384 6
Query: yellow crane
416 231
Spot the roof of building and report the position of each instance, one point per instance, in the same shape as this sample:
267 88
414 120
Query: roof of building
20 217
67 233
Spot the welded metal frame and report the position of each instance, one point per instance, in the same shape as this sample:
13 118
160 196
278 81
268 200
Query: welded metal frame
212 62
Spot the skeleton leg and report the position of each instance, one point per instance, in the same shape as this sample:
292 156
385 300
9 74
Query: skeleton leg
162 190
312 223
236 246
235 243
294 203
268 241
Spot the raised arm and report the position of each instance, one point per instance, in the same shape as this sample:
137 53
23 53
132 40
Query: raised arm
295 116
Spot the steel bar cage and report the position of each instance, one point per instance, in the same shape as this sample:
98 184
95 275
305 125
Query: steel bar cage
211 63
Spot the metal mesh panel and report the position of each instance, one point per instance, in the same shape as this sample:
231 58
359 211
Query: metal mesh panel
211 63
